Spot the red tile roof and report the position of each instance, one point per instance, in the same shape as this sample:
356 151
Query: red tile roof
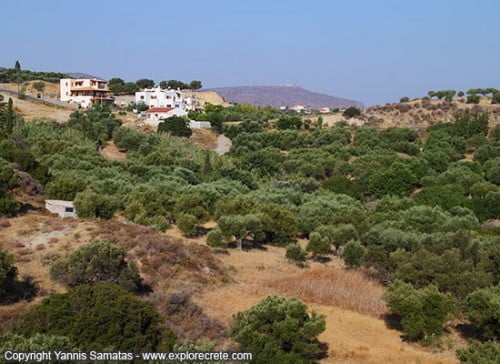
160 109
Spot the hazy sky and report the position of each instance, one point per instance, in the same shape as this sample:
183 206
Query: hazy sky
372 51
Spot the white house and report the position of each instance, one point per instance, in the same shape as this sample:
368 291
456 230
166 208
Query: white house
60 207
157 97
298 108
85 91
155 114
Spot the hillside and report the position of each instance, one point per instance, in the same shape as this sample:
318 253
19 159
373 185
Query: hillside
277 96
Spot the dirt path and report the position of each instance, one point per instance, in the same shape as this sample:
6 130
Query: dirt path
111 151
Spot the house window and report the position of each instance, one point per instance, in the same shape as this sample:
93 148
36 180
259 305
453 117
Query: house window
142 97
68 209
153 97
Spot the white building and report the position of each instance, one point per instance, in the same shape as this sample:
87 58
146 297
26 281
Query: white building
157 97
155 114
60 207
85 91
194 124
298 108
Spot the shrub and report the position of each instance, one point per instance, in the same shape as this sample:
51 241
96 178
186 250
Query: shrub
404 99
318 245
36 343
353 252
65 187
279 330
215 238
295 253
351 112
480 353
90 204
483 309
496 98
97 317
187 223
473 99
8 272
175 125
99 261
423 311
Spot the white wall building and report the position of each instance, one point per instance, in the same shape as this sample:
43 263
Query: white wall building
85 91
155 114
194 124
157 97
60 207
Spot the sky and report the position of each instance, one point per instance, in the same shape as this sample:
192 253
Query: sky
372 51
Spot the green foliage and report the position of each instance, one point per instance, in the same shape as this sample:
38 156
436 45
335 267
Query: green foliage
423 311
483 353
404 99
279 330
289 122
398 179
119 86
96 123
215 238
36 343
18 75
352 254
8 271
473 99
144 83
90 204
98 261
483 309
318 245
187 223
295 253
495 99
351 112
176 126
96 317
65 187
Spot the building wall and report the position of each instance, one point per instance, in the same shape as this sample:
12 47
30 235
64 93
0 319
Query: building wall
154 119
60 209
157 97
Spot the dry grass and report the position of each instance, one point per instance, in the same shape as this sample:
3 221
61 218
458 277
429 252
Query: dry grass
351 290
111 151
205 138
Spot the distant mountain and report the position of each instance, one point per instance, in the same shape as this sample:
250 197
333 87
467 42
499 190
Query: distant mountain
276 96
79 75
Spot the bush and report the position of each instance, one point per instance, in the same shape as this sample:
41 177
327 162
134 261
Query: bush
90 204
99 261
65 187
473 99
353 252
483 309
8 272
318 245
496 98
36 343
215 238
187 223
295 253
176 126
279 330
423 311
98 317
480 353
351 112
404 99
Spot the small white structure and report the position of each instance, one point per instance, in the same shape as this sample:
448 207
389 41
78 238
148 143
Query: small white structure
60 207
324 110
298 108
158 97
156 114
85 91
193 124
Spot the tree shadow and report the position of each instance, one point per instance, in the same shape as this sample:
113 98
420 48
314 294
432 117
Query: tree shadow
144 288
392 321
23 290
468 331
322 259
324 348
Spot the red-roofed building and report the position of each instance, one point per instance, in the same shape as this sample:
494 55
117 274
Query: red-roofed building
154 115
